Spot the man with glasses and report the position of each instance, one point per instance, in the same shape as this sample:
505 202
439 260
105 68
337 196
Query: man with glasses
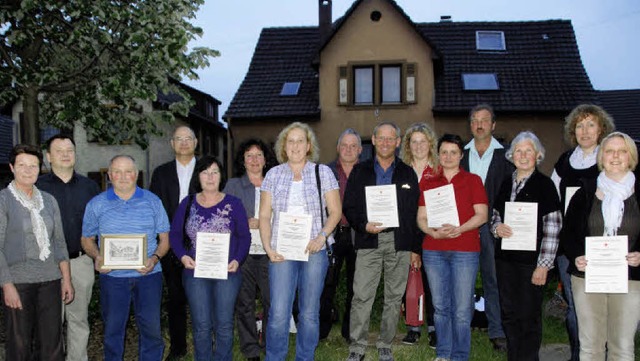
379 248
172 182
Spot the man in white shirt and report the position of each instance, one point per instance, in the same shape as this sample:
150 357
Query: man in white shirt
172 182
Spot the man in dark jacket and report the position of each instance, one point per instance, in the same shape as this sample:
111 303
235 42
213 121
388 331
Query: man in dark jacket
485 156
171 182
349 148
377 247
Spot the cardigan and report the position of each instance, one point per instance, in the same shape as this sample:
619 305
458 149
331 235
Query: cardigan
407 236
539 189
19 261
575 226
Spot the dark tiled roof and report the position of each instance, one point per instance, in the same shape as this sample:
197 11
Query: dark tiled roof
281 55
200 99
541 70
624 107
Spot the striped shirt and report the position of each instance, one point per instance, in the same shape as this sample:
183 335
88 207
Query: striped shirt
142 213
278 181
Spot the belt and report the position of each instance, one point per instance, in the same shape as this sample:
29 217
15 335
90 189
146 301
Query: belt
77 254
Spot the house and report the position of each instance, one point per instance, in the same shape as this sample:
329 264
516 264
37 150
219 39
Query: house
375 63
92 156
624 107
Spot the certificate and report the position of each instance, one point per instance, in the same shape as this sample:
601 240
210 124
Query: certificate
382 205
569 193
607 270
212 255
441 207
123 251
522 217
294 234
256 241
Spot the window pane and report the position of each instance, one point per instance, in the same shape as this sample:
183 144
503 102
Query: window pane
363 85
490 40
480 81
391 84
290 88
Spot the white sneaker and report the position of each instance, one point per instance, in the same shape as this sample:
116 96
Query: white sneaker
292 325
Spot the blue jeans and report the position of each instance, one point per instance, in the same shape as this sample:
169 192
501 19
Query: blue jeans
284 279
571 320
490 282
116 295
452 277
212 302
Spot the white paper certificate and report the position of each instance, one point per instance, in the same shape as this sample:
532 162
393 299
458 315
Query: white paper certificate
441 207
294 233
212 255
568 194
382 205
607 269
522 217
256 240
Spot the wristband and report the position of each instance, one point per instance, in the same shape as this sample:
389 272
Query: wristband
158 257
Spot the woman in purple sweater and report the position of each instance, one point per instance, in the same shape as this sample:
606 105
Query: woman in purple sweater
211 300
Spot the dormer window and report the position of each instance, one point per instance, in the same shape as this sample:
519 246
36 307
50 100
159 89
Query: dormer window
480 81
290 88
490 40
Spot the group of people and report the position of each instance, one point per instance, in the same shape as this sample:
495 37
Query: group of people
52 231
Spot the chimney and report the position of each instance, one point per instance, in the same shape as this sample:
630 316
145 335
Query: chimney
445 18
324 19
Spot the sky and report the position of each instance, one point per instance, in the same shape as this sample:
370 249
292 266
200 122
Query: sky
607 31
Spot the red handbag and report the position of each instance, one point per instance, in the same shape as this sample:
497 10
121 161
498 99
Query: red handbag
414 313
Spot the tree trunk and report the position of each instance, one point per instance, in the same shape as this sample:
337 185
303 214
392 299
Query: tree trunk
30 122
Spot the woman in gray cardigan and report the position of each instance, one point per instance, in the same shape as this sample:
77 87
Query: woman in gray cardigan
253 160
33 260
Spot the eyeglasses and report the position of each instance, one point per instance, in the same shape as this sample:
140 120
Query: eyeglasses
183 139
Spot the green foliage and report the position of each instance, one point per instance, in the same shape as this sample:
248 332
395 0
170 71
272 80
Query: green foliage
98 62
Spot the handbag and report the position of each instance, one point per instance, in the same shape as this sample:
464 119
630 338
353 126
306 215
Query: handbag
414 309
332 271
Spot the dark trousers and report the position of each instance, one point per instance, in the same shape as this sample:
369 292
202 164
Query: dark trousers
255 276
521 310
40 318
176 304
345 254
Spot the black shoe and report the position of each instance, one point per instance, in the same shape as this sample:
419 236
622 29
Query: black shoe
433 340
257 358
499 344
176 355
353 356
411 338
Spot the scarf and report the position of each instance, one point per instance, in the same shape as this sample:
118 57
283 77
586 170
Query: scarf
34 205
613 203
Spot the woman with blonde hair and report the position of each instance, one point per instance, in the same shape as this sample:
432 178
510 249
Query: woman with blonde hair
606 206
297 186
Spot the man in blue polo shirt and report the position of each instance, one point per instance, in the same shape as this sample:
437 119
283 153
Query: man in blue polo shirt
127 209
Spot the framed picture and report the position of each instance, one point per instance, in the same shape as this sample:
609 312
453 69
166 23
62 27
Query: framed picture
123 251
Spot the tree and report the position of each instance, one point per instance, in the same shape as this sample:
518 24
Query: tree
96 61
